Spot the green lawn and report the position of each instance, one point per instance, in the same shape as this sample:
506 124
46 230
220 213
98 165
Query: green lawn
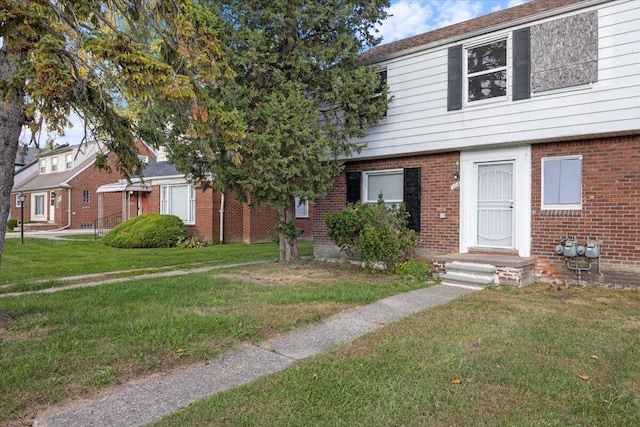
501 357
41 259
73 344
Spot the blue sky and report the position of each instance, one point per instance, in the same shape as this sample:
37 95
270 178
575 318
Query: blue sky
407 18
411 17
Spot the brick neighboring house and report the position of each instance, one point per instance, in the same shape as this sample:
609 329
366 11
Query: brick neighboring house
505 134
60 189
167 191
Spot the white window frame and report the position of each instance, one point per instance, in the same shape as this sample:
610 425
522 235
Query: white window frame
34 206
68 160
365 185
54 164
43 166
506 68
560 206
302 208
165 202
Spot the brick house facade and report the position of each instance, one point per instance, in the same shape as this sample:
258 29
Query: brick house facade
514 156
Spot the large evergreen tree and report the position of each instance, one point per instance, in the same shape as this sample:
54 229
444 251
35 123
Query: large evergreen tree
100 59
302 93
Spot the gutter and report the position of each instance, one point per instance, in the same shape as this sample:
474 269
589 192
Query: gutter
221 217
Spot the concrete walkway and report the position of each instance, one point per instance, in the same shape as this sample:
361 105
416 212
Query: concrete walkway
149 400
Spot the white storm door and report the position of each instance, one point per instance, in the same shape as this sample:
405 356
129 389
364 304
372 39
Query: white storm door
494 205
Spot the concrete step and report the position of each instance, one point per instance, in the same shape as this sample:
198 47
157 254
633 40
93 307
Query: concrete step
469 274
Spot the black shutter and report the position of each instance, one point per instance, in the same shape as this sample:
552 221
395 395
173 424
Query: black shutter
353 187
454 84
521 64
412 196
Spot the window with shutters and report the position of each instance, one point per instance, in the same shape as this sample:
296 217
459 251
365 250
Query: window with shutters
388 183
486 70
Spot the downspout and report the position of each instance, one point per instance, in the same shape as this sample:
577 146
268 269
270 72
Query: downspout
221 217
68 213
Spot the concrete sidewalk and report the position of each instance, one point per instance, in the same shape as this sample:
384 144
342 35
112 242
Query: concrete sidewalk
149 400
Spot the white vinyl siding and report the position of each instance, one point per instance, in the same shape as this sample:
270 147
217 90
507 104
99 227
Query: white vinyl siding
418 120
562 183
389 183
179 200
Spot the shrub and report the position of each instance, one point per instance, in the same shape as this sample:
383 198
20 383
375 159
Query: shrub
147 231
11 224
377 231
414 269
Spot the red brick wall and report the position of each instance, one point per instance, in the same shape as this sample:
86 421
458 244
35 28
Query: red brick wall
86 213
437 235
610 209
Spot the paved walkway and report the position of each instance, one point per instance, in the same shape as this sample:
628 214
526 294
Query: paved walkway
149 400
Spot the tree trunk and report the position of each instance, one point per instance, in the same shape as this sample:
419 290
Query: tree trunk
12 118
288 236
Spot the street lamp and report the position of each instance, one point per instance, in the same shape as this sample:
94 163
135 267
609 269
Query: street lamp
21 200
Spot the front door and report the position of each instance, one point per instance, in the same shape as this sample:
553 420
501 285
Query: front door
494 204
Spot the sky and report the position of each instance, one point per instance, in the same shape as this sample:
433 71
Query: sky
406 18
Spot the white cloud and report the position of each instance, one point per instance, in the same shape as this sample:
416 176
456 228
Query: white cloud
411 17
406 18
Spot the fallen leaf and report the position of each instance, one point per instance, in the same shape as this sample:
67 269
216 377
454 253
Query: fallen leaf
594 357
457 381
601 309
584 377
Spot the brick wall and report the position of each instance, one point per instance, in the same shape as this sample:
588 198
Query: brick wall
610 209
437 235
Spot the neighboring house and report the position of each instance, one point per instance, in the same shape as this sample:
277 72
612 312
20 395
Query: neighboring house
59 189
505 134
209 215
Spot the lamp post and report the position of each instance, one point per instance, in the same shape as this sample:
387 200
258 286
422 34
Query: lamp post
21 200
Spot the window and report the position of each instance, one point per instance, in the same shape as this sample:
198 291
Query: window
562 183
86 196
54 164
389 183
179 200
43 166
38 211
487 70
302 208
68 159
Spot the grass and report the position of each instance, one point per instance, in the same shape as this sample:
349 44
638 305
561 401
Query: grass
75 344
537 356
39 259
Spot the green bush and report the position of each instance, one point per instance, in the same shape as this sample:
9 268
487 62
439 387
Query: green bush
377 231
147 231
415 269
11 224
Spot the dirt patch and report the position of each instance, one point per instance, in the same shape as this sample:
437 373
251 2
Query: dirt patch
278 274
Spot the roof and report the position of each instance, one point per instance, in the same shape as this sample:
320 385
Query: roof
26 155
155 169
502 17
53 180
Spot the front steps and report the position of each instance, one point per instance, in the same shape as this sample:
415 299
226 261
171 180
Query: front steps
483 270
469 275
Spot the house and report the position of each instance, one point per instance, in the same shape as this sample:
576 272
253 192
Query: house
60 188
211 216
514 141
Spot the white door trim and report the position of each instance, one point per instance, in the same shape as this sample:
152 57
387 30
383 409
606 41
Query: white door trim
521 156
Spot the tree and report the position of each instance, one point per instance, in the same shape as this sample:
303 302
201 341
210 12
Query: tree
304 97
107 61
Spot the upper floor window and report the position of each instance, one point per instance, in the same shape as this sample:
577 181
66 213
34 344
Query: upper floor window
43 166
68 159
54 164
179 200
562 183
486 70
